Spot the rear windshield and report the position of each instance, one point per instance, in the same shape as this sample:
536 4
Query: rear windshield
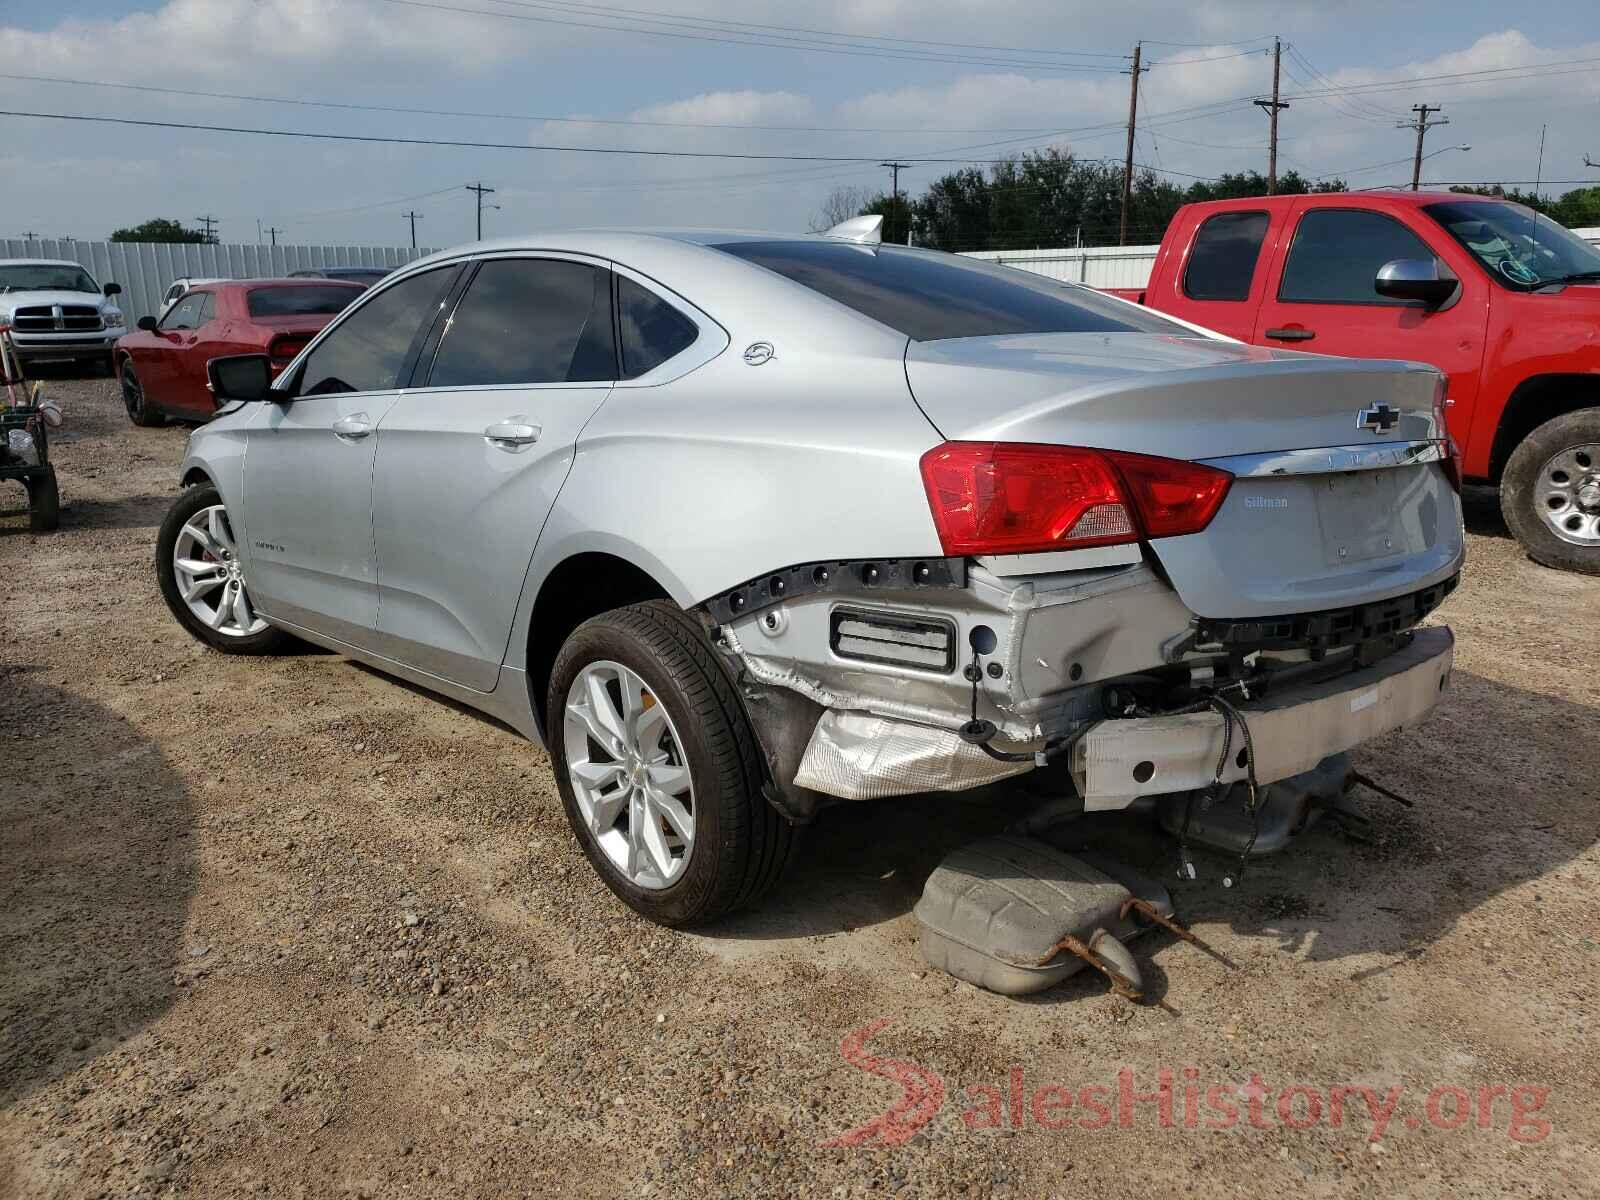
928 295
308 301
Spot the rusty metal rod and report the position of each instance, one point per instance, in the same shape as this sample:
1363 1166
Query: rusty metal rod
1120 983
1150 912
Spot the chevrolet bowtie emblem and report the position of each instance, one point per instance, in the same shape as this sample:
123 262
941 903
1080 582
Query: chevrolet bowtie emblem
1379 419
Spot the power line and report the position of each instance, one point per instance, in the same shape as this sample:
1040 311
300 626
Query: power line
775 42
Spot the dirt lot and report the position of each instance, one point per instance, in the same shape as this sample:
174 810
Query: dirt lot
286 927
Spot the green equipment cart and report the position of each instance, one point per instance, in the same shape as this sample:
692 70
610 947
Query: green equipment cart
25 421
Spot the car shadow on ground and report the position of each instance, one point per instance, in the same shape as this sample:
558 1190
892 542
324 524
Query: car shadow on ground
1487 818
98 865
1480 510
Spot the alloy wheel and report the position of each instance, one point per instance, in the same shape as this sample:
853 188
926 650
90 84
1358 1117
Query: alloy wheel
210 577
1568 495
629 774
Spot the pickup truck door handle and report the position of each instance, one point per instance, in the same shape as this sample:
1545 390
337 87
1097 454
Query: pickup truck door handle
509 434
354 427
1292 333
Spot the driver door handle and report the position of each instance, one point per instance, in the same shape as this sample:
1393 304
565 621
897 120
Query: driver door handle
353 427
512 433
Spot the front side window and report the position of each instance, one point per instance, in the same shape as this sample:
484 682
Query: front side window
299 300
185 313
652 331
1337 252
1519 248
928 295
367 351
529 320
1223 261
208 308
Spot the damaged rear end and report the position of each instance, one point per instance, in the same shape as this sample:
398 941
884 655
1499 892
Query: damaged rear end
1169 563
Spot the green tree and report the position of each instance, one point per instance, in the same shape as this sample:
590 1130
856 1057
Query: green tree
159 229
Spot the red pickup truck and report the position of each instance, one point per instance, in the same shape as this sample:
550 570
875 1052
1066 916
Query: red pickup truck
1505 302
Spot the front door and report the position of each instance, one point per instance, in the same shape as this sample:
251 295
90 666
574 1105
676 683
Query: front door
308 465
1325 301
470 461
157 366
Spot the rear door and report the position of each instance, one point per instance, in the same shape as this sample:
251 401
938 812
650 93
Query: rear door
1222 280
1323 299
470 459
308 463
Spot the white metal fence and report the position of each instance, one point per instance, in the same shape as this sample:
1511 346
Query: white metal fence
1113 266
145 269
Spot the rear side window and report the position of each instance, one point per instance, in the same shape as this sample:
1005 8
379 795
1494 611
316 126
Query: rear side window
367 351
527 320
927 295
1337 252
299 301
1223 261
652 330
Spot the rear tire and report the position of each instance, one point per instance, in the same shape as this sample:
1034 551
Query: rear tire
140 411
740 844
217 597
44 503
1550 492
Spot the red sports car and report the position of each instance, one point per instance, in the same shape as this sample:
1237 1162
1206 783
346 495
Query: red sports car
162 367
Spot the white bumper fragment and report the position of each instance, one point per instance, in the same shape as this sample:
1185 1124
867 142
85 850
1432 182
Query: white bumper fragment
1118 761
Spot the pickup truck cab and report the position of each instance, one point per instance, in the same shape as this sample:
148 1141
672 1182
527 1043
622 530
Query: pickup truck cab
1505 302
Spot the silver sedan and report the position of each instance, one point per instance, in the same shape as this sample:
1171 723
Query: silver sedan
742 525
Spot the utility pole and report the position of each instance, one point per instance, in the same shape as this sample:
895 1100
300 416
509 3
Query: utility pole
413 217
1421 125
211 224
1271 108
482 192
1589 162
894 191
1127 166
273 231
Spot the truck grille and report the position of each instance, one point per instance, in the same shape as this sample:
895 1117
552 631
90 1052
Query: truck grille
887 637
57 318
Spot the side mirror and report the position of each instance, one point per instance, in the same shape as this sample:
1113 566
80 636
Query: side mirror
112 289
1425 280
246 377
148 324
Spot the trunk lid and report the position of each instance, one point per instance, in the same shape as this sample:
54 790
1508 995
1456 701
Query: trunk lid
1361 520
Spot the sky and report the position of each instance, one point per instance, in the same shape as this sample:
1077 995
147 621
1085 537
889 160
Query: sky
836 86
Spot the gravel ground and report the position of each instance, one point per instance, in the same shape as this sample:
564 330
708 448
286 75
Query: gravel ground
286 927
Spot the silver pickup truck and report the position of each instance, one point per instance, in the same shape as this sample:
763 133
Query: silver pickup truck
56 310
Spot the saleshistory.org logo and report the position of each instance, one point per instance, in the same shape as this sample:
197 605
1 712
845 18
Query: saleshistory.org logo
1180 1099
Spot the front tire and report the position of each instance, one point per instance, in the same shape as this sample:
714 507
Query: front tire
140 411
659 770
202 579
1550 492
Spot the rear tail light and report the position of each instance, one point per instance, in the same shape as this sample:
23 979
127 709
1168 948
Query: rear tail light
1452 453
1008 498
285 348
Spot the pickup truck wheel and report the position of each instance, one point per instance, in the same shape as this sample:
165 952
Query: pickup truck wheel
140 410
202 580
659 770
1550 492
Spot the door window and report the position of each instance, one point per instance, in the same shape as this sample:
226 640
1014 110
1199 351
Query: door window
1337 252
1223 261
370 349
185 313
208 308
529 320
652 330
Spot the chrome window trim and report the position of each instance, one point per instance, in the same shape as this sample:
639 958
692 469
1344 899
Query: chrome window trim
1323 460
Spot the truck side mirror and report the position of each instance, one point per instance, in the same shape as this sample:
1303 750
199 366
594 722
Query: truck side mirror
1425 280
113 289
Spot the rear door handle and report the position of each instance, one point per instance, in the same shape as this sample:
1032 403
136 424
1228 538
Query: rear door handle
1291 335
354 427
512 433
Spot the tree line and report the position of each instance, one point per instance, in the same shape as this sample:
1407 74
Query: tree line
1051 199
